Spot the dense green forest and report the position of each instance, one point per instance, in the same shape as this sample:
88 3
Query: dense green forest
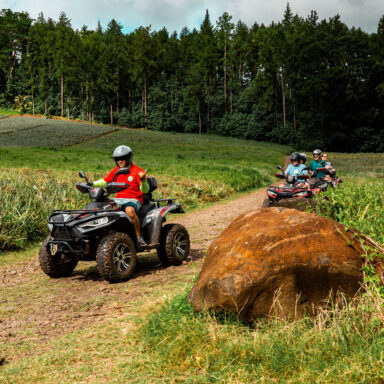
301 81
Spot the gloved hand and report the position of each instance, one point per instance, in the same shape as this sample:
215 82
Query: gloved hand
99 183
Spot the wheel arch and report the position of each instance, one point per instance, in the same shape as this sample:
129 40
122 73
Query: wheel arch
125 225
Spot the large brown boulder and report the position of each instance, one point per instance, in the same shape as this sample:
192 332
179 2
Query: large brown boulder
278 261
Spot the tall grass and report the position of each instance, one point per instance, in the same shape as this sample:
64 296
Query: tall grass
359 204
28 196
343 344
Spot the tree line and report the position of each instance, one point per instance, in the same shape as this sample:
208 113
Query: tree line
301 81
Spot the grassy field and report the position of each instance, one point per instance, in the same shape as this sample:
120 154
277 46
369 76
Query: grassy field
195 170
144 331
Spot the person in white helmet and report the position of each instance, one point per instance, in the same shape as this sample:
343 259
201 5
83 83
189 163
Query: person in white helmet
130 199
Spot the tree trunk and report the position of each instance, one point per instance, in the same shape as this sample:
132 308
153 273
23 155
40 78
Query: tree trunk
230 95
13 66
82 104
68 107
45 107
199 123
145 101
111 114
208 116
283 99
33 103
92 113
142 102
225 77
87 101
117 94
62 95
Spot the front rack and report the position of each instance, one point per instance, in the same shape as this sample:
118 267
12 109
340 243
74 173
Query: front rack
75 212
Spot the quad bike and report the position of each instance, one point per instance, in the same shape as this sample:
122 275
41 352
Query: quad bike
317 184
103 232
292 189
335 180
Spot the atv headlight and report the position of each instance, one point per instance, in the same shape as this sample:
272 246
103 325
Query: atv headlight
271 193
301 193
95 223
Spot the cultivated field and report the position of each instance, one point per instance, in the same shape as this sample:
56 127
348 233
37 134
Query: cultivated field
20 131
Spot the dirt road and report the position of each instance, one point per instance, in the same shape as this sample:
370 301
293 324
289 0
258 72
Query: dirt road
34 308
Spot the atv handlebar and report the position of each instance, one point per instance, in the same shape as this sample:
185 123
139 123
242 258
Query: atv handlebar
110 187
298 177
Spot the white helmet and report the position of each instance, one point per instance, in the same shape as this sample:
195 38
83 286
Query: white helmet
123 152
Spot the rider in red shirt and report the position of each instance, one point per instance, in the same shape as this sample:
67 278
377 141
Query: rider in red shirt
130 199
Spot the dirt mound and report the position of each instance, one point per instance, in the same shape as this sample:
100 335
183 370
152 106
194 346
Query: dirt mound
278 253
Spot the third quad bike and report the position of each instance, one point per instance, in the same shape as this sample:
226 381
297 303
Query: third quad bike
103 232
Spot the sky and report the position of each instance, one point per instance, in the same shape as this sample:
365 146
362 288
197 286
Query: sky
176 14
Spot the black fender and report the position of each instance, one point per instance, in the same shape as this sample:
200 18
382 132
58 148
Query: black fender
154 220
124 224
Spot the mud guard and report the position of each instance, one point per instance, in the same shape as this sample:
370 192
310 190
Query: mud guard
154 220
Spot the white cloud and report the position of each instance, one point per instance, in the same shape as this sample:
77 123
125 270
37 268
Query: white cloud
175 14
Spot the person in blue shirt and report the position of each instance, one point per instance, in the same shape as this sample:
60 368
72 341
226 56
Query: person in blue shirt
295 168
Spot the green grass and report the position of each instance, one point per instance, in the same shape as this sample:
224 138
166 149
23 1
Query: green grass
196 170
358 165
359 204
8 111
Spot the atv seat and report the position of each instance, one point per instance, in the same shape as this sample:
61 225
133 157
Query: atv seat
148 204
147 197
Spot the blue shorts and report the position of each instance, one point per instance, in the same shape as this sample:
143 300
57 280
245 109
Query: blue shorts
124 203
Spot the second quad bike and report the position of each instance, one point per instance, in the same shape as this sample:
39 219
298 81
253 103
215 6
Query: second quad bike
292 189
103 232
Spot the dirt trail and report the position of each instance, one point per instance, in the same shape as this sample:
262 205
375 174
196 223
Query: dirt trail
34 308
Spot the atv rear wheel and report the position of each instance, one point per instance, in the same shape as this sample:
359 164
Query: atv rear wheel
55 265
116 257
174 244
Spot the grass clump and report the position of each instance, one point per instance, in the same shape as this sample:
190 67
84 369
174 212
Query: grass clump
28 197
359 204
342 344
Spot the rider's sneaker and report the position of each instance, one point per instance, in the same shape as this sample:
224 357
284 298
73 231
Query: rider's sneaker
141 242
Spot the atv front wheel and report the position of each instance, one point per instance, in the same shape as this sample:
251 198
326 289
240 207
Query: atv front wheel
55 265
116 257
266 203
174 244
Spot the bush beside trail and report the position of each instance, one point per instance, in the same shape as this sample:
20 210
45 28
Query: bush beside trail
359 204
